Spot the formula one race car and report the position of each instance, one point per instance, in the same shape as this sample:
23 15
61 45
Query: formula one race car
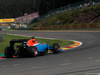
29 48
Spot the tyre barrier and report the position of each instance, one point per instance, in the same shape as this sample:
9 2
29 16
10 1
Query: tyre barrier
71 26
22 28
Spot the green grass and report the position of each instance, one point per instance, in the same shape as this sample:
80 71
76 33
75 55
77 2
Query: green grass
8 38
6 41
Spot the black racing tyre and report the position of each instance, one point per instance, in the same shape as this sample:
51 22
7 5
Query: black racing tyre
22 52
32 51
56 48
8 52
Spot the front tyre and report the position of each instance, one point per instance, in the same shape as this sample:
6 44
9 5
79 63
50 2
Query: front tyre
8 52
32 51
56 48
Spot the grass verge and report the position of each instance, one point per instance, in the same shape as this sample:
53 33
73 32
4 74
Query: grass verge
8 38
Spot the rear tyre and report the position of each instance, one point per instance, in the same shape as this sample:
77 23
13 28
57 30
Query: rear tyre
32 51
8 52
22 52
56 48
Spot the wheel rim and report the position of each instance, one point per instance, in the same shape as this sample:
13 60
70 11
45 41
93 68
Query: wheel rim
36 52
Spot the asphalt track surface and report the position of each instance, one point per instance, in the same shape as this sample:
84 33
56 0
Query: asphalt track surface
84 60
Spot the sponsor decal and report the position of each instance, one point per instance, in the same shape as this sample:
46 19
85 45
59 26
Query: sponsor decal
6 20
